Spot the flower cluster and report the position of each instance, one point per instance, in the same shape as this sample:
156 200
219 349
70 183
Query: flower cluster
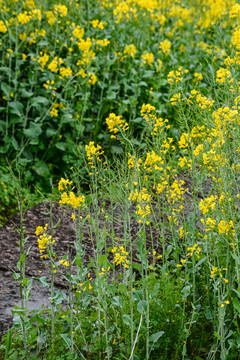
44 240
69 197
156 124
165 47
223 75
142 199
176 76
116 123
120 256
93 153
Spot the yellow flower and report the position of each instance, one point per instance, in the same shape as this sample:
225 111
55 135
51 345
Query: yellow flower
92 78
115 123
62 10
78 32
165 47
97 24
39 230
23 18
62 185
65 72
3 28
208 204
93 153
148 58
72 199
130 50
51 18
104 42
222 75
43 59
64 262
236 39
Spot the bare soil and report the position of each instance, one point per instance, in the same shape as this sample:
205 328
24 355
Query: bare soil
65 237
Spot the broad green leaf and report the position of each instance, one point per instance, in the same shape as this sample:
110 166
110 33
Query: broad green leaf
16 108
6 89
102 260
117 301
61 146
66 339
217 335
142 306
126 319
154 337
33 131
51 132
41 168
43 281
111 96
15 144
26 94
39 100
116 150
236 304
186 291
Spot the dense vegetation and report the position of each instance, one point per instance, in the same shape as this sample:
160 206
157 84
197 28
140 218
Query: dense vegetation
137 102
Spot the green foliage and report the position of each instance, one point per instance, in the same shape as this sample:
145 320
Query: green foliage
157 108
47 113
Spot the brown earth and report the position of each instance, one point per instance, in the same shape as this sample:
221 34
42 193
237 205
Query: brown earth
65 236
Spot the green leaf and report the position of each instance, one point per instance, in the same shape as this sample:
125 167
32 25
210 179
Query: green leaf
236 304
111 96
59 297
122 288
61 146
148 74
51 132
66 339
15 144
143 83
26 94
126 319
16 108
137 295
142 306
33 131
116 150
102 260
16 275
200 262
217 335
117 301
8 343
137 266
43 281
39 100
186 291
154 337
41 168
22 259
163 82
6 89
67 118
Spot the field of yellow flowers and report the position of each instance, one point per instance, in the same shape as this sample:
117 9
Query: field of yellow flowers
134 102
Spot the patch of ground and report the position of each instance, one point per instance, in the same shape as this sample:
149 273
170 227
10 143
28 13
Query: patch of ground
65 237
